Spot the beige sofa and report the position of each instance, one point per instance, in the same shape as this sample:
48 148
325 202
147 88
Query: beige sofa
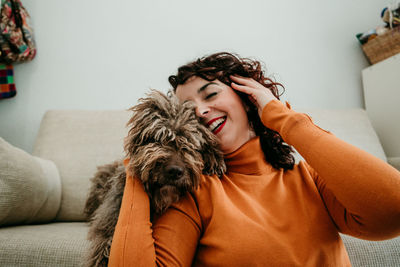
42 195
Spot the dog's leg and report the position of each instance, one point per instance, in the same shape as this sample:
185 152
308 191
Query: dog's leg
101 184
104 221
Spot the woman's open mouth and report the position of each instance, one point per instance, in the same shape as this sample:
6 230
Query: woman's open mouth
216 125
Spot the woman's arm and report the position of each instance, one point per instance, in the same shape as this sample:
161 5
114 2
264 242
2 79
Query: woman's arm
170 241
361 192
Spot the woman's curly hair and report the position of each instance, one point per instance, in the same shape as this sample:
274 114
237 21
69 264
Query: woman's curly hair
220 66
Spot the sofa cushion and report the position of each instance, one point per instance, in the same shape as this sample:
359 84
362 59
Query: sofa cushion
55 244
64 244
365 253
395 162
30 187
78 142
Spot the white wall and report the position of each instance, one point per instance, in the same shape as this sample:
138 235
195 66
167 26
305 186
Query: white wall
98 54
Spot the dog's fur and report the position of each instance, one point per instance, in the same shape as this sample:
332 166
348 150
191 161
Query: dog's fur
168 149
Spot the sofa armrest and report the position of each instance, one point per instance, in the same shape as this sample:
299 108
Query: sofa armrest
395 162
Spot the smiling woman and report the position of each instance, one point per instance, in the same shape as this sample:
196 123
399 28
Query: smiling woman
208 82
265 210
220 109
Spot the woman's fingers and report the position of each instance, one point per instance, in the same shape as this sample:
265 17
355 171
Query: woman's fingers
243 88
257 93
247 90
242 80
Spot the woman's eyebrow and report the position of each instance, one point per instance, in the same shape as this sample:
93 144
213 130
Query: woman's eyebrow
205 86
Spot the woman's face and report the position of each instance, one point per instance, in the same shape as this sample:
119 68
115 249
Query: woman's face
220 109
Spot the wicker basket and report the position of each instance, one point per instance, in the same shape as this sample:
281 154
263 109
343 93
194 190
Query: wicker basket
383 46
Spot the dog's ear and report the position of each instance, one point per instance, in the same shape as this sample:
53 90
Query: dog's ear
205 141
213 157
149 111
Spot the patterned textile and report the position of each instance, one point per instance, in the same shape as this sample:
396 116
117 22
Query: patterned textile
16 35
7 86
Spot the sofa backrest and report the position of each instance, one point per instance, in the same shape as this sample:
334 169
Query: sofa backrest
350 125
79 141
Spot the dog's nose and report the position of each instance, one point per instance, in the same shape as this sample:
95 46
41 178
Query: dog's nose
174 171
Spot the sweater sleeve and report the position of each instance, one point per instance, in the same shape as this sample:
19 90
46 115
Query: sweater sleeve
360 191
170 241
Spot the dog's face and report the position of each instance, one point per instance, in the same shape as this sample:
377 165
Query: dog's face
169 149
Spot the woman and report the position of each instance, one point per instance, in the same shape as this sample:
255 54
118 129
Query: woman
266 210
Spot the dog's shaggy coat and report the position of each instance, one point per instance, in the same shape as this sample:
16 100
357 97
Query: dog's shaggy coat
168 150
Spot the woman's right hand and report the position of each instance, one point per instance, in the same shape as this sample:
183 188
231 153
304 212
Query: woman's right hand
257 93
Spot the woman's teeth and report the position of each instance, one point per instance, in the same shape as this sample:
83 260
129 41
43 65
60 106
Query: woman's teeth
213 126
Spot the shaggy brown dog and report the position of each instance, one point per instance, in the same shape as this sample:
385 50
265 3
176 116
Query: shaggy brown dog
169 150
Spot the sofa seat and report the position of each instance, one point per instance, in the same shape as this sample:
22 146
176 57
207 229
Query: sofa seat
54 244
64 244
372 253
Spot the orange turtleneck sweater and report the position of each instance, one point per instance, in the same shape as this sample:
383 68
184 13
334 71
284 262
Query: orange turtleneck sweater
256 215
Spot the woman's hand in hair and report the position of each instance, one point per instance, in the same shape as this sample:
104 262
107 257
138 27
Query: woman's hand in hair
257 93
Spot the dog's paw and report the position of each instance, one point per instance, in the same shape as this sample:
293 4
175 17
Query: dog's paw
221 170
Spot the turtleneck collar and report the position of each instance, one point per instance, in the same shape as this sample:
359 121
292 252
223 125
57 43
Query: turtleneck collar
247 159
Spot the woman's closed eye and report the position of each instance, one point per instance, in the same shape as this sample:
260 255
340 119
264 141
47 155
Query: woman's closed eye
211 95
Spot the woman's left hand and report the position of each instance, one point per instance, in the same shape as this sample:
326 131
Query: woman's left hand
257 93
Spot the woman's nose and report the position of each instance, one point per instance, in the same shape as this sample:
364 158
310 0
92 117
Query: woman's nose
202 111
